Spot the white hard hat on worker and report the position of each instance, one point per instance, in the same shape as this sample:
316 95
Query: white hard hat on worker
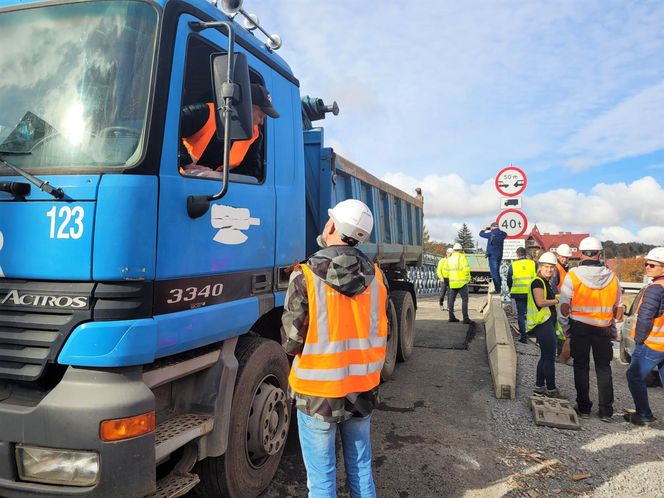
564 250
590 244
547 258
353 220
656 255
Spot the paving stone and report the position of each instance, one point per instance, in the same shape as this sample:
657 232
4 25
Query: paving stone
552 412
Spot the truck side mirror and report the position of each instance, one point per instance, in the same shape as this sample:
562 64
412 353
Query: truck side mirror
239 89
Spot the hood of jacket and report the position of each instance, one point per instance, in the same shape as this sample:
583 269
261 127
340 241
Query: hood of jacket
344 268
593 276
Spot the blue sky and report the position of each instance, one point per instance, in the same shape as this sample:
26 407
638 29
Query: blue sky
443 95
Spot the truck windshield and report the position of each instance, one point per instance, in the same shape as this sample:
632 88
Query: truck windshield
75 84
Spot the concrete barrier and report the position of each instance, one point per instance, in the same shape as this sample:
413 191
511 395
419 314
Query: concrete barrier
500 348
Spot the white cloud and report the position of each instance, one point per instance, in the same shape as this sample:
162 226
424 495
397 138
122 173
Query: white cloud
619 212
631 128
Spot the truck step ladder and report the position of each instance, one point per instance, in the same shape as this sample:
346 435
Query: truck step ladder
174 485
178 431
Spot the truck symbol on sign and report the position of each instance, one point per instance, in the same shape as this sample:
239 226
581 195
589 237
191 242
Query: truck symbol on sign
503 185
511 202
518 183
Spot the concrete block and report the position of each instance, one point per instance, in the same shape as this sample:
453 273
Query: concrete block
500 349
552 412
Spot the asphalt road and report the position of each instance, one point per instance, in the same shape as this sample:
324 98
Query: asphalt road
432 433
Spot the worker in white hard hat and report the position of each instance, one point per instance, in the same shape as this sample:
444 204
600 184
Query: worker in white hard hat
648 334
589 307
563 253
542 320
458 270
443 274
520 274
335 326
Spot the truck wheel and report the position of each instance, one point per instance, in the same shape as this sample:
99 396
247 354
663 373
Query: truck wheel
259 422
392 340
403 303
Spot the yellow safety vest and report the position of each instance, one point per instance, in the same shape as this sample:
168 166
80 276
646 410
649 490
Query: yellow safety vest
535 316
344 350
458 270
523 273
655 339
442 271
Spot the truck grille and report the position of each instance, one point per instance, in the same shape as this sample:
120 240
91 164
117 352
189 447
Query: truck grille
37 317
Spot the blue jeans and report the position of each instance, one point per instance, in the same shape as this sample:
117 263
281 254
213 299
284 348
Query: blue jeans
546 366
494 269
317 440
521 309
643 361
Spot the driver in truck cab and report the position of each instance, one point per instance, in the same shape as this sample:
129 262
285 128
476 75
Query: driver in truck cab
202 150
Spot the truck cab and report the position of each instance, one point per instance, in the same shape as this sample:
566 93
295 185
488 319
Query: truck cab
140 290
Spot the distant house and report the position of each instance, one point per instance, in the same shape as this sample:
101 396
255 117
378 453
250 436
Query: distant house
537 241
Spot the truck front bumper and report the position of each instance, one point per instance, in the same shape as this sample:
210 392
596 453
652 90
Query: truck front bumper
68 417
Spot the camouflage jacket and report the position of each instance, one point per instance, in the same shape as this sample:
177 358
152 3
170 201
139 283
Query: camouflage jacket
350 272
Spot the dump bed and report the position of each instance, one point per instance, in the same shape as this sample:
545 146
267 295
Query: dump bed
330 178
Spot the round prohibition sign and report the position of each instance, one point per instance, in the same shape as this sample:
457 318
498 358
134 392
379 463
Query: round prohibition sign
511 181
513 222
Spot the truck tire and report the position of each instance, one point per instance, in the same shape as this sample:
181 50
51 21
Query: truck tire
259 421
403 303
392 343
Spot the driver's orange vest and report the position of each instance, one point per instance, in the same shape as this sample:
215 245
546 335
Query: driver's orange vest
198 142
344 350
593 306
655 339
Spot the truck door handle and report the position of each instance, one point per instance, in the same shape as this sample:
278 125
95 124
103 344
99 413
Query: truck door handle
260 282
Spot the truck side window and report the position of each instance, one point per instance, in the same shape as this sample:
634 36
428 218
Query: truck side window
200 151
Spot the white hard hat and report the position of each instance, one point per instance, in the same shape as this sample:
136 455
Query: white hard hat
353 219
457 247
449 250
590 244
656 254
564 251
548 257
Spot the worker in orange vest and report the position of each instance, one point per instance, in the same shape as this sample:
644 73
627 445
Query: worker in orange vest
335 324
563 253
589 306
648 334
202 149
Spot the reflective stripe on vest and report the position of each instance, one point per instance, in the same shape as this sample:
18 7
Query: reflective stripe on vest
534 316
457 267
198 142
655 339
240 147
523 273
593 306
344 350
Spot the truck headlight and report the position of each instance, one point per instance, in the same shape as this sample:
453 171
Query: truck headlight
55 466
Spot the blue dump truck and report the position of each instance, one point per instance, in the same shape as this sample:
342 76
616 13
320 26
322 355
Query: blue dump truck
140 299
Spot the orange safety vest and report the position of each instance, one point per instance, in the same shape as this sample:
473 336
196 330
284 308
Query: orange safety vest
562 273
345 347
655 339
198 142
593 306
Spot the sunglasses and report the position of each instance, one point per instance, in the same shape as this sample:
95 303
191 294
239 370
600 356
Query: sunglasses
653 265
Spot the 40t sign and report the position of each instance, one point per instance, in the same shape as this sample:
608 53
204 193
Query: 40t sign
513 222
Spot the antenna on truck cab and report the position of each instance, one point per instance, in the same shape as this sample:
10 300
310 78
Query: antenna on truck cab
251 22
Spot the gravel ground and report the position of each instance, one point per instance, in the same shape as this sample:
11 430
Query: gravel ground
601 459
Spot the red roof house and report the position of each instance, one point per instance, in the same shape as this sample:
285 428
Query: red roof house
550 241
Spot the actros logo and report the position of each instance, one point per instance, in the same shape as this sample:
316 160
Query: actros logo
14 298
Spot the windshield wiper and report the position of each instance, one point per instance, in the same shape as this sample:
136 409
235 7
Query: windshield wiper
58 193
